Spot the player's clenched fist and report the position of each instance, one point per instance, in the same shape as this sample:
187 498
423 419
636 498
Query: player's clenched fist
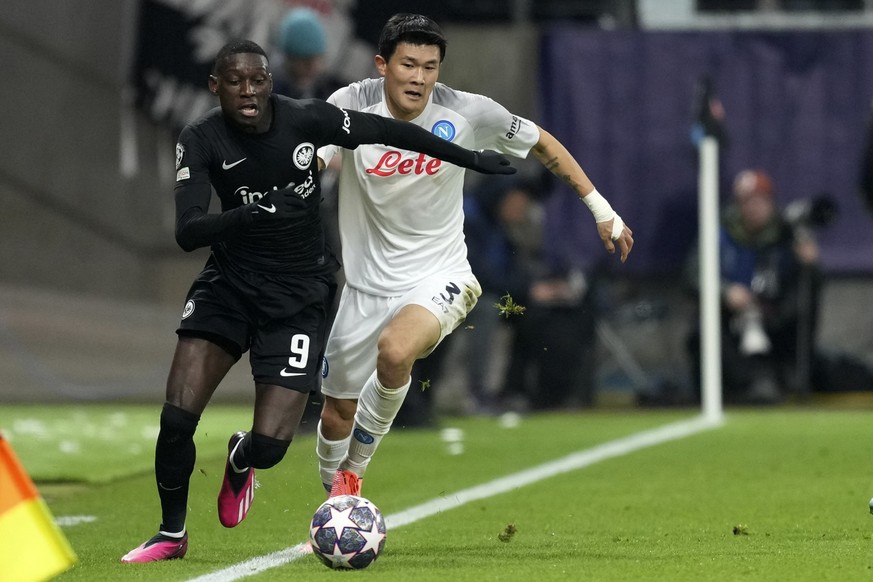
491 162
278 204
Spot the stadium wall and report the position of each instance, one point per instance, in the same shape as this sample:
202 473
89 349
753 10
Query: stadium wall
88 206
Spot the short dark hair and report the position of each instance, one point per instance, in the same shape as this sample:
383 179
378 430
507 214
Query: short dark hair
412 28
236 47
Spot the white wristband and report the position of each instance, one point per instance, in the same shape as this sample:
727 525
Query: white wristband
617 227
603 212
598 206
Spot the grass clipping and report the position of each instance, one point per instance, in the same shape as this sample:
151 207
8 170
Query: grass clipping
507 533
508 306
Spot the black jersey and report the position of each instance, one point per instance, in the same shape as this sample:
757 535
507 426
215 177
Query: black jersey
243 167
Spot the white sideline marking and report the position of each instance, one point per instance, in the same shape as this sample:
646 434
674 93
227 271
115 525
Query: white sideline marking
571 462
71 520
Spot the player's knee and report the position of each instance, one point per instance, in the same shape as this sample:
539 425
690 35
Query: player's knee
337 412
176 424
175 451
394 355
334 425
265 452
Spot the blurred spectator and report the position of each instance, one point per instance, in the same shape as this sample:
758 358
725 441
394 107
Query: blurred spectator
770 284
302 42
551 353
549 362
503 230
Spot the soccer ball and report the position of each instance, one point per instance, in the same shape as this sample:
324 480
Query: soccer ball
347 532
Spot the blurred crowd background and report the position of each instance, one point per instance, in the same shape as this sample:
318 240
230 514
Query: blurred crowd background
92 282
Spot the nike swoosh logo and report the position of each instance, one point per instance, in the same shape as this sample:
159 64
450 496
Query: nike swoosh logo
287 374
271 208
226 166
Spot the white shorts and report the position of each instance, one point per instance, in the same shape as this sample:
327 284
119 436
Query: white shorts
350 356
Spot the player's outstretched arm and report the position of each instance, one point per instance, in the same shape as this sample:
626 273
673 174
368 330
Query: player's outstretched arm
365 128
611 228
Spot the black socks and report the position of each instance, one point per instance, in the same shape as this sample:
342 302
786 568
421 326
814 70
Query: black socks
175 454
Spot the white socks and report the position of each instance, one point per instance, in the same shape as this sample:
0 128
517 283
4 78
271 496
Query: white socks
330 453
377 408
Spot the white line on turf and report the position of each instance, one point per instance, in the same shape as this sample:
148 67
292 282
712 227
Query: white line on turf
71 520
572 462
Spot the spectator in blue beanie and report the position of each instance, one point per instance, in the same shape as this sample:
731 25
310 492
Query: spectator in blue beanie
302 42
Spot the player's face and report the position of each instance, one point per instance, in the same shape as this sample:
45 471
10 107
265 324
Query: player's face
409 78
243 86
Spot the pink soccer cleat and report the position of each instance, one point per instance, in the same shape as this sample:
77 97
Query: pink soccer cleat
234 504
160 547
345 483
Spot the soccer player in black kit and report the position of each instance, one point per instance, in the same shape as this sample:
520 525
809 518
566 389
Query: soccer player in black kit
269 280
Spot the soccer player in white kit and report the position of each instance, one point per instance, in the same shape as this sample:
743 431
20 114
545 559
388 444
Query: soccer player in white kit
408 281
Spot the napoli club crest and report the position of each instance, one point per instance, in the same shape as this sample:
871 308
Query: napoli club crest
443 129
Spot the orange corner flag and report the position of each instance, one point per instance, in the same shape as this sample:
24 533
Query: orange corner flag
32 547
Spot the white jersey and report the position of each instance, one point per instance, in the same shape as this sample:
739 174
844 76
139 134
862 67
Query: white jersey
401 213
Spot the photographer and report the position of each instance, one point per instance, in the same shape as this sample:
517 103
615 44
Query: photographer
770 284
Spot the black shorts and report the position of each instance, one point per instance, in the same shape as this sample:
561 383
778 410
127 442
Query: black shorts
280 319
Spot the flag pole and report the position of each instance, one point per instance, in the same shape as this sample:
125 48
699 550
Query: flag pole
710 294
708 132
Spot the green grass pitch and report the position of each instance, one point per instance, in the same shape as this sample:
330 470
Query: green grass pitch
777 494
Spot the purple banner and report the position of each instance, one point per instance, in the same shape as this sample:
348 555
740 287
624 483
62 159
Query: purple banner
797 105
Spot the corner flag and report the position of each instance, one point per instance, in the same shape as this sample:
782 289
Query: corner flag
32 547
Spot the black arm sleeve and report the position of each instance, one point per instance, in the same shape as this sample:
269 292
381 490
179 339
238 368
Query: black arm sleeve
196 228
366 128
